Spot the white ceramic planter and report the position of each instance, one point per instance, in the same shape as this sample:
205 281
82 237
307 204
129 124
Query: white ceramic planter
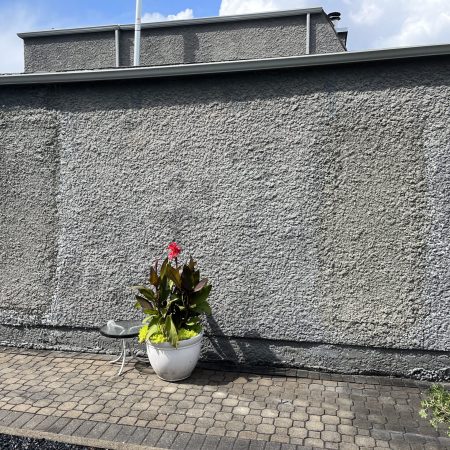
175 364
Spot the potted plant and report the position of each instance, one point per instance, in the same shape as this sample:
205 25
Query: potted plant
173 302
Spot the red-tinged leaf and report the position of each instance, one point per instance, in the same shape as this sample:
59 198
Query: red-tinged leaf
173 275
154 279
201 285
191 263
164 265
187 278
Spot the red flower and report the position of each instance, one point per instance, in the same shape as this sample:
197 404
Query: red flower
174 250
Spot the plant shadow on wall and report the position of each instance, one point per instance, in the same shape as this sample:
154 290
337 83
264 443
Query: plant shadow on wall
249 347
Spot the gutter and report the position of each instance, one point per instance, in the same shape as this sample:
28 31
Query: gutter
176 23
223 67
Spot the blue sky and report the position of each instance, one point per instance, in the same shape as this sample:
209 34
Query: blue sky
371 23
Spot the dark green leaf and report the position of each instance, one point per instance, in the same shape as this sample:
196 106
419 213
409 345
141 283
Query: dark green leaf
202 307
150 320
153 329
164 289
145 292
145 304
171 331
196 327
193 321
173 299
202 294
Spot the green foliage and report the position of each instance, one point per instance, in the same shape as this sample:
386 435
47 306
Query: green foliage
158 338
437 407
174 301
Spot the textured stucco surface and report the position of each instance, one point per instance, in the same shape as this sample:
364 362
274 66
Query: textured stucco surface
249 39
71 52
323 36
315 201
29 160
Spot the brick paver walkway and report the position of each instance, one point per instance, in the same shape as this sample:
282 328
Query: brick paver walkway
78 394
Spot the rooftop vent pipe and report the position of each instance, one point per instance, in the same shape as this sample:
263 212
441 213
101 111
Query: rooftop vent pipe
334 16
137 34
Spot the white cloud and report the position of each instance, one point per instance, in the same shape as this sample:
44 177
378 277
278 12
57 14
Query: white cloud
371 23
369 13
158 17
403 22
230 7
13 20
424 22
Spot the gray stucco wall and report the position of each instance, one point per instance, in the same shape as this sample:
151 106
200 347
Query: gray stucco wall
231 41
323 36
69 52
29 158
225 41
315 200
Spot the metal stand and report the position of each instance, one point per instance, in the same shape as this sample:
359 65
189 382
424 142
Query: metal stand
123 355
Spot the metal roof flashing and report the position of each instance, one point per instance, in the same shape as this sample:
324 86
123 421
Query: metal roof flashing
223 67
342 34
175 23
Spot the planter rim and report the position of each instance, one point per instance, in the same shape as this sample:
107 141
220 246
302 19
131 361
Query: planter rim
167 346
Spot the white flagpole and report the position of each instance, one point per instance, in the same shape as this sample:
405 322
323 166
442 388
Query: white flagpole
137 33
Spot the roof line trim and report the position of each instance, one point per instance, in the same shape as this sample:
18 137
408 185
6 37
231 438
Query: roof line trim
175 23
327 59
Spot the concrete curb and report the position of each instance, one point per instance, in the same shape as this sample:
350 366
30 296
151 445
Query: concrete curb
75 440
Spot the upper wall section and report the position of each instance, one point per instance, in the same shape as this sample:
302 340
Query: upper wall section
255 36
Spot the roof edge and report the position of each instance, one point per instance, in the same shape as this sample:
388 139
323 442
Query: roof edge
175 23
130 73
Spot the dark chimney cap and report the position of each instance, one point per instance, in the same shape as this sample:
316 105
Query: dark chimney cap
335 15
